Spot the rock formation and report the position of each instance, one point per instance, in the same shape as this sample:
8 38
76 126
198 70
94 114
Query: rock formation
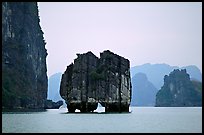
179 90
90 80
24 71
49 104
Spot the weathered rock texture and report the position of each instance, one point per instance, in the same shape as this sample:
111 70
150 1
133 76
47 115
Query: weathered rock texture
179 91
91 80
24 77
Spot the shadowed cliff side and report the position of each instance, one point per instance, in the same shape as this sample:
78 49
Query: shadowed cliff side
24 71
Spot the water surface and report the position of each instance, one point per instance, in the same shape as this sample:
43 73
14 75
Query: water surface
140 120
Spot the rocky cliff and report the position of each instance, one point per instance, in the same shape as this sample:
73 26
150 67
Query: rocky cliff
24 72
91 80
179 90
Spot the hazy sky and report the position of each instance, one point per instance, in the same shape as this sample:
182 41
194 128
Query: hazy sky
147 32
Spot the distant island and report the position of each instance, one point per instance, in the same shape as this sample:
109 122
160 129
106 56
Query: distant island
143 91
147 80
54 87
179 91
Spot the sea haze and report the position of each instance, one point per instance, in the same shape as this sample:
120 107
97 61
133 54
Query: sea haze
139 120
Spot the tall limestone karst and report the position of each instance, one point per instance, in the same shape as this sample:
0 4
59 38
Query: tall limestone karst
91 80
24 71
179 91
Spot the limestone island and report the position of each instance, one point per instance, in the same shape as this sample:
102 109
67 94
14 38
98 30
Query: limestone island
91 80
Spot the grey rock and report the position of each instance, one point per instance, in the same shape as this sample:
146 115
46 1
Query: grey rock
49 104
24 71
91 80
179 91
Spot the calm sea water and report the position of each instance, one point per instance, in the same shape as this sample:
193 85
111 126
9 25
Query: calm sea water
140 120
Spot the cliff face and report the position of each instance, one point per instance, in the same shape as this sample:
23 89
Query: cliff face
24 78
91 80
76 85
179 90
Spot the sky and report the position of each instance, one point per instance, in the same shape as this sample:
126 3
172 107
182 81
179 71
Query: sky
143 32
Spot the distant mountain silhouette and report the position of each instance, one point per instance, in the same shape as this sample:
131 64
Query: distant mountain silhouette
194 72
156 72
143 91
54 86
147 79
